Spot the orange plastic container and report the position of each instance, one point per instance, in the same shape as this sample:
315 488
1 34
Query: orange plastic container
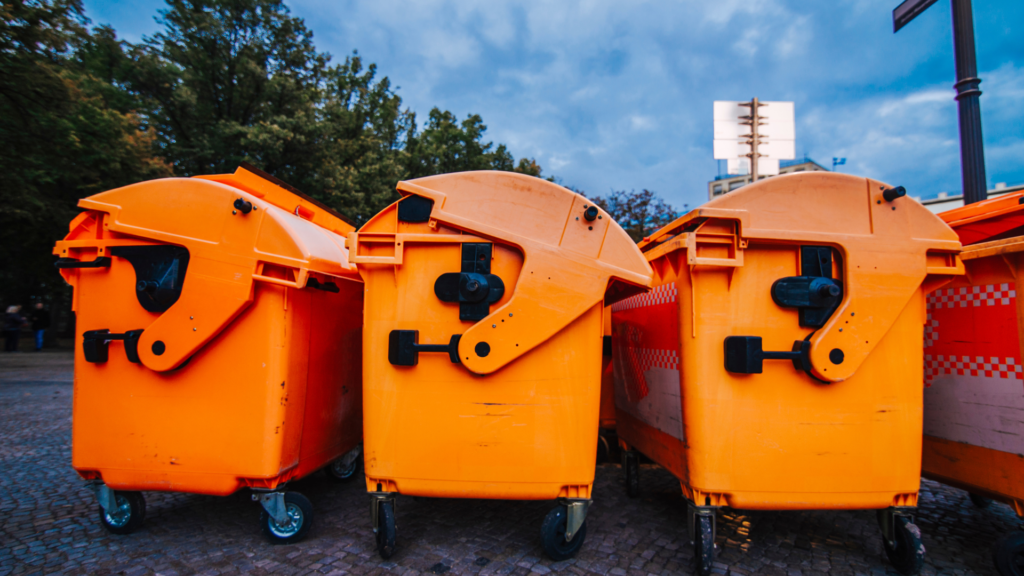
483 341
217 345
974 366
774 366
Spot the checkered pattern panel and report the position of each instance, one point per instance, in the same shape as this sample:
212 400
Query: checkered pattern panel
664 294
641 360
988 295
965 366
931 331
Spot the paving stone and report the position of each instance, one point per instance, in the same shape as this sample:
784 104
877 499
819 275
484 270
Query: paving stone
49 520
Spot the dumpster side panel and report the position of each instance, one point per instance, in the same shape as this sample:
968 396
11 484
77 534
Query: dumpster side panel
780 439
294 343
647 371
435 429
974 382
195 429
333 422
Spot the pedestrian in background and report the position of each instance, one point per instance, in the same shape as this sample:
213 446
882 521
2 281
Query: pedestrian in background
13 323
40 322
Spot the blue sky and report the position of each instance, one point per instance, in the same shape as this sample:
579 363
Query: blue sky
618 95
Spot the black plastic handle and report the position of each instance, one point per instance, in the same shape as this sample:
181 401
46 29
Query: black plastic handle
404 348
95 345
100 262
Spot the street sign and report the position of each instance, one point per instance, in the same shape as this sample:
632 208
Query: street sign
904 13
761 130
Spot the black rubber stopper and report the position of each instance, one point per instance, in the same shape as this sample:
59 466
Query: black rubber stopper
482 349
158 347
836 356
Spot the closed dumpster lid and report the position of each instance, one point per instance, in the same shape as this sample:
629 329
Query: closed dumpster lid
574 254
234 238
992 219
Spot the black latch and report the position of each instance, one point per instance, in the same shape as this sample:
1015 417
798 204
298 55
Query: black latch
404 348
100 262
95 345
606 342
475 288
814 293
744 355
159 273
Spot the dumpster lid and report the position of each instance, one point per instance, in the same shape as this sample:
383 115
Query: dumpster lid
234 238
888 251
991 219
574 254
285 196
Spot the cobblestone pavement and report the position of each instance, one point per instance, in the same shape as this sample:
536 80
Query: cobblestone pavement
49 521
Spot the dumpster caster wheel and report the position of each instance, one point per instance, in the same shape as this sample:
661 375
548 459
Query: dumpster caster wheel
552 535
631 464
131 511
703 544
1009 555
341 473
978 500
386 531
300 514
906 553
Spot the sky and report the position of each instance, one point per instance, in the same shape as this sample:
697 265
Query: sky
612 95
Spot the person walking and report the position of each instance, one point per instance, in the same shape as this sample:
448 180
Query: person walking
40 322
13 323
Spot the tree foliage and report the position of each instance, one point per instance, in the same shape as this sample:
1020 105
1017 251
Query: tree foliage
66 131
224 81
228 81
638 213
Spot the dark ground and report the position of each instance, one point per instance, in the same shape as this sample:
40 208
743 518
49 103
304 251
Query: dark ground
49 521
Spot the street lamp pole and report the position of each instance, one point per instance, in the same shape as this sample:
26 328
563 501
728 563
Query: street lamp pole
972 152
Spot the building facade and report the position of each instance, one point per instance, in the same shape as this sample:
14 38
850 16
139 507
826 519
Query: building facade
729 182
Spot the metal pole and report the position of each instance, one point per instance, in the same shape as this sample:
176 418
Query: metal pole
972 152
753 140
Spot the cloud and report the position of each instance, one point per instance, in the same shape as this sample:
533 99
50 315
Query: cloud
617 95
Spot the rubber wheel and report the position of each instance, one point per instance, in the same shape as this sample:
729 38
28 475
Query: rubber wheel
703 544
340 473
386 531
978 500
300 510
907 553
129 516
552 535
1009 555
631 463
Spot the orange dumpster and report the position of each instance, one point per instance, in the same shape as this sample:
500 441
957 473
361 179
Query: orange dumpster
482 344
772 367
974 373
217 345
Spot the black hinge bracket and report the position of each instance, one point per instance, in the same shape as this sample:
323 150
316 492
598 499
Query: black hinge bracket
474 288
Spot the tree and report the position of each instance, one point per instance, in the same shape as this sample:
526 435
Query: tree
228 81
66 131
639 213
447 145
